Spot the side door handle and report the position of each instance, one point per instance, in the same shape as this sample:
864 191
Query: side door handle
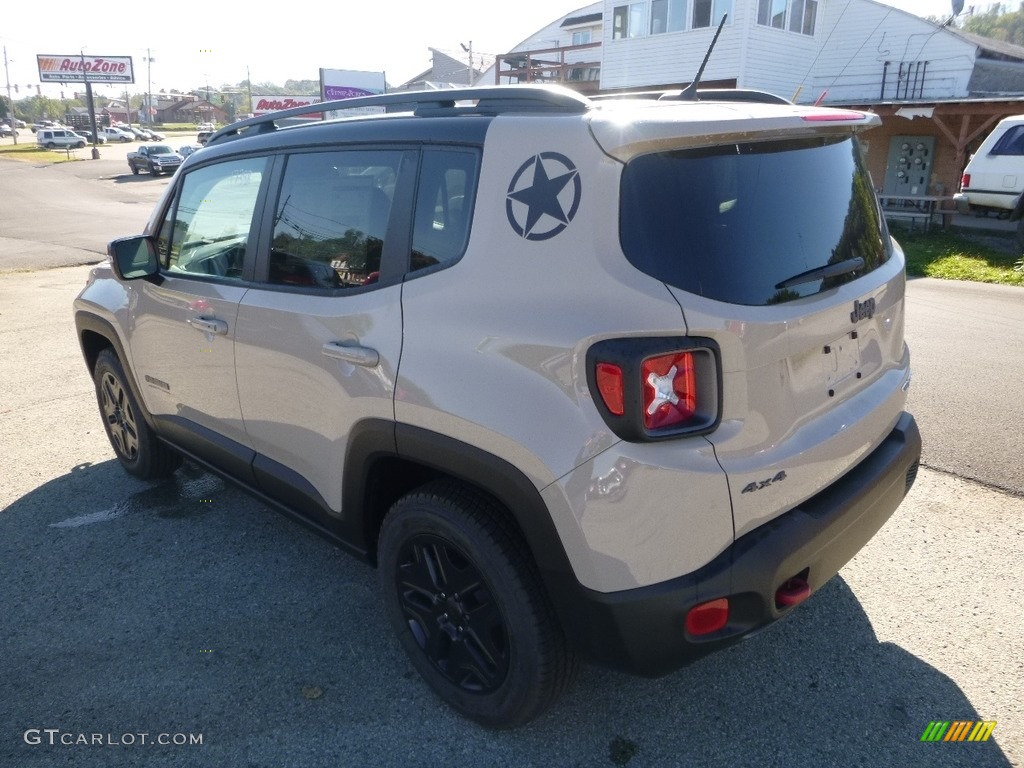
351 354
207 325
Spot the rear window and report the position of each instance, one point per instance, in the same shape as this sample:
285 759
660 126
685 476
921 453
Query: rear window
738 223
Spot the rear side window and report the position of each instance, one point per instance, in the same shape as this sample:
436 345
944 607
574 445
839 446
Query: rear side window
1011 142
332 218
737 223
444 200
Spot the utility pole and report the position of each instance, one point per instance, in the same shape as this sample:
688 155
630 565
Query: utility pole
248 85
149 87
92 110
14 120
469 75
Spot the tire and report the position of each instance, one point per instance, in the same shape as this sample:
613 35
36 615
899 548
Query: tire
80 145
50 145
134 443
466 601
135 171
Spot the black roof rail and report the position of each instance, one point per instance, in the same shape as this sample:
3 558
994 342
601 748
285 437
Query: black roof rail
729 94
489 100
703 94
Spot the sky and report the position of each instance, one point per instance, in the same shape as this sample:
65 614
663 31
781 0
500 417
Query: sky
216 44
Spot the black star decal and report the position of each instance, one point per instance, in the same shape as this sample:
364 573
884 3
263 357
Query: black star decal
542 196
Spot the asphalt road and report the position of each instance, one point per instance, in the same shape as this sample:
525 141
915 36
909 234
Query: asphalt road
967 350
65 214
185 610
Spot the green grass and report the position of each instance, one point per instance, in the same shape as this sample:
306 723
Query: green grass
984 258
31 152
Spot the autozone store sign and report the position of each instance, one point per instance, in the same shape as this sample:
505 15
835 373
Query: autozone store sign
76 68
262 105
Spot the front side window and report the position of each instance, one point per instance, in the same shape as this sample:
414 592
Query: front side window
332 217
206 230
752 223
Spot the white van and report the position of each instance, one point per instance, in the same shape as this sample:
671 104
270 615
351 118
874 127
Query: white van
51 138
994 177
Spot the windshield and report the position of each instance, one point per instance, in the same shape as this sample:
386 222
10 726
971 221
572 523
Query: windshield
738 223
160 149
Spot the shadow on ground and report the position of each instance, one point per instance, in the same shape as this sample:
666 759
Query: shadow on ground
185 607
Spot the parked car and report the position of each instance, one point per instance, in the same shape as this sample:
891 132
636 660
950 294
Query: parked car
116 134
87 135
6 130
646 404
206 127
155 135
203 136
187 149
993 181
52 138
155 158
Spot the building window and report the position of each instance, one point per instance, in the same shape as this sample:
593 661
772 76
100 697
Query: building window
581 37
803 15
667 16
628 20
709 13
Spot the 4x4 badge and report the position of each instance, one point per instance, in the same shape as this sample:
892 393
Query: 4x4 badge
546 197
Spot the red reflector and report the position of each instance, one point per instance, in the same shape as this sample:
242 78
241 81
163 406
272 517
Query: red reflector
670 390
965 181
609 384
793 592
825 117
708 617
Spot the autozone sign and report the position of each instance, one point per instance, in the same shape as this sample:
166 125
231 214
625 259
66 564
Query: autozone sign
76 68
262 105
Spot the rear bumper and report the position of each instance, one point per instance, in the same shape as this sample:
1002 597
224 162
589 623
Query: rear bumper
642 631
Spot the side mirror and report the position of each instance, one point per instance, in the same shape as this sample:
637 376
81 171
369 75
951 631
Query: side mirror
133 257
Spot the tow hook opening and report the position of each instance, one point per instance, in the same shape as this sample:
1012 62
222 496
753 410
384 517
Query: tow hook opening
793 591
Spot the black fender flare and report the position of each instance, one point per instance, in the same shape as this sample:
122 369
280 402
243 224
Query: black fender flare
86 322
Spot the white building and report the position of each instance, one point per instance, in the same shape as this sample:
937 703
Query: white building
859 53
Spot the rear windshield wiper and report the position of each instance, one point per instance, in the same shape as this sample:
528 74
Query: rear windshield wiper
819 273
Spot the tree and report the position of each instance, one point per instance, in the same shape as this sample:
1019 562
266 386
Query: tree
998 24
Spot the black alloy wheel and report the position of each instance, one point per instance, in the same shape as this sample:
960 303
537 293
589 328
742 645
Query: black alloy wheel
452 615
134 442
464 596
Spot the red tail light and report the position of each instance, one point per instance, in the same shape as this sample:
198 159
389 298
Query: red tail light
609 384
708 617
656 388
670 390
965 181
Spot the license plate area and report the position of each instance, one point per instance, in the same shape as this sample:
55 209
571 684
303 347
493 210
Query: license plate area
840 359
